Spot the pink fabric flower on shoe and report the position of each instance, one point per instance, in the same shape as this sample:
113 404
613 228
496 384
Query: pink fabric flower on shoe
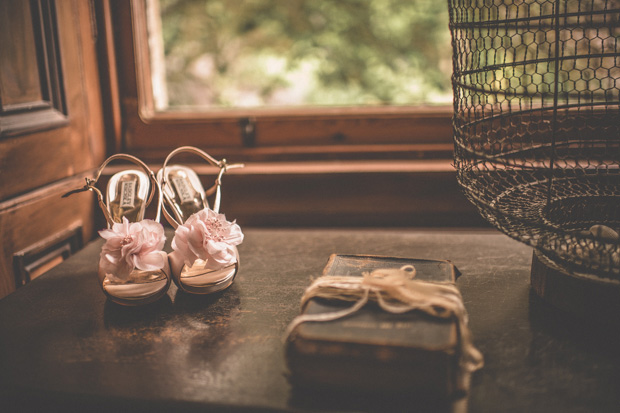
132 245
208 236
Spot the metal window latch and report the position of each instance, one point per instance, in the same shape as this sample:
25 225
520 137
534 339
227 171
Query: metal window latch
248 131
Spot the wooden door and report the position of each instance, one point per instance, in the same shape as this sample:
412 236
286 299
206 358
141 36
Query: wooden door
51 133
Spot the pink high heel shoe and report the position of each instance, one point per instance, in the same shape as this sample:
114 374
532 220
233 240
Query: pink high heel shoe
205 257
133 268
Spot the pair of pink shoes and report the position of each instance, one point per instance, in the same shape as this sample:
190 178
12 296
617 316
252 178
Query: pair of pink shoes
133 268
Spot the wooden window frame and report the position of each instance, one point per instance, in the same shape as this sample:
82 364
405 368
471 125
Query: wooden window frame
339 159
268 134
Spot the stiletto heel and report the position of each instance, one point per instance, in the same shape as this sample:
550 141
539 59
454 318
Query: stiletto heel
133 268
205 257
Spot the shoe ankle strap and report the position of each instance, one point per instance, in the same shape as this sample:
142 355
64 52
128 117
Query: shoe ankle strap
215 188
90 185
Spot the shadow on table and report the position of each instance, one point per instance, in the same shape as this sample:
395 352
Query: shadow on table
314 398
591 334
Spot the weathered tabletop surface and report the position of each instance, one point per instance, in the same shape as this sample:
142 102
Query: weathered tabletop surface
63 345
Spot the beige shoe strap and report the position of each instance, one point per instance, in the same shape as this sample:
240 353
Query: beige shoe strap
216 188
90 185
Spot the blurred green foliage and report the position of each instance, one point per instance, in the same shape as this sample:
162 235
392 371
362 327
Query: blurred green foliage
231 53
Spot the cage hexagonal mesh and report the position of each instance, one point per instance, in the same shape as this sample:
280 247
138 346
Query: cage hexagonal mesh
537 123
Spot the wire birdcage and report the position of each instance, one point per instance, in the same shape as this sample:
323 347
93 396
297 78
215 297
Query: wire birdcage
537 123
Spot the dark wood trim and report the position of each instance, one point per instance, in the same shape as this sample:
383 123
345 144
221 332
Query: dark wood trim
15 124
48 46
55 188
342 152
109 76
51 112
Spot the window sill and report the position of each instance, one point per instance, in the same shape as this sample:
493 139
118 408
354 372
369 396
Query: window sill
343 194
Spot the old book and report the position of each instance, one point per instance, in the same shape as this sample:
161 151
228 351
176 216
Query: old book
373 350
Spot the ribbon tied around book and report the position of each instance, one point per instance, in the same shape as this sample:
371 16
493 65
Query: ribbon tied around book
395 291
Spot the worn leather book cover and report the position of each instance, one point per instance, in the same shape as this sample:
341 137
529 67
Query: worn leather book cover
373 350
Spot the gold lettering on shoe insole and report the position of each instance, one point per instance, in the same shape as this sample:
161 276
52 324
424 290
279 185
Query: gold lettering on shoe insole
126 203
128 193
185 192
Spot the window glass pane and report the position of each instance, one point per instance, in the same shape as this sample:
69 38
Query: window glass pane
274 53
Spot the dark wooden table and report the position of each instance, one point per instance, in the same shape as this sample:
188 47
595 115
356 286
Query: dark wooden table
63 346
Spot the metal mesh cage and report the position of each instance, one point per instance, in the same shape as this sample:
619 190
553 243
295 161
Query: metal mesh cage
537 123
